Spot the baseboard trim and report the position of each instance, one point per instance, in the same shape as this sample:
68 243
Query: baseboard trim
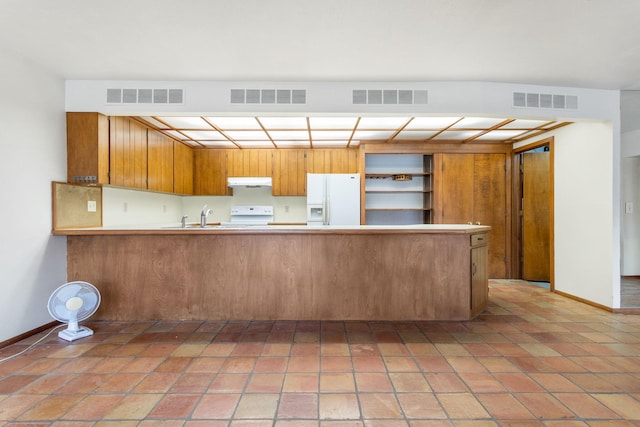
584 301
27 334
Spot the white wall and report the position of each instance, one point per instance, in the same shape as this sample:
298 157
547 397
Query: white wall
32 155
631 221
586 244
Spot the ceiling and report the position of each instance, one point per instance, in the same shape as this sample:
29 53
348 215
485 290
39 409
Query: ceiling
343 131
572 43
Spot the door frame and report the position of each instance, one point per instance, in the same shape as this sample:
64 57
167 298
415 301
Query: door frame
516 246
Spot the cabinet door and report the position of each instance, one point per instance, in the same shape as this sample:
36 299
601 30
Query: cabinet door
128 153
473 189
160 162
332 160
289 172
249 162
87 148
479 280
210 172
182 168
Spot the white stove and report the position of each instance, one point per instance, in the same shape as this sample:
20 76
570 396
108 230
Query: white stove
245 216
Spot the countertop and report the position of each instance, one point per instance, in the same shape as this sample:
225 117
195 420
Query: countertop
173 229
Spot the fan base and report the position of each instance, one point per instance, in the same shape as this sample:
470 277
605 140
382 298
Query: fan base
68 335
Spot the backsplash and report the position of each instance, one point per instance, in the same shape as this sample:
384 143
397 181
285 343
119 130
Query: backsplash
122 206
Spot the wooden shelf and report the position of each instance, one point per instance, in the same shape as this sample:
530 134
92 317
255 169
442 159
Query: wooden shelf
387 175
398 191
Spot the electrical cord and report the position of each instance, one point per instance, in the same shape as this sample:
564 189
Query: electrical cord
32 345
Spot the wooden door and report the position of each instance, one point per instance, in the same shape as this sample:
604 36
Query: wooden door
536 216
490 207
160 162
473 190
456 193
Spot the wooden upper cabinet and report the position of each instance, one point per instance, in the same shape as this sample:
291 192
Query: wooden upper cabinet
210 172
160 162
87 148
128 153
332 160
183 160
473 189
289 172
249 162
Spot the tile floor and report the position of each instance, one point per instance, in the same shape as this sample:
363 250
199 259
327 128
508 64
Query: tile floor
532 359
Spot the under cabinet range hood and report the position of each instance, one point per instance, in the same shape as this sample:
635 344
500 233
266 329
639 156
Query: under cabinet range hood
249 181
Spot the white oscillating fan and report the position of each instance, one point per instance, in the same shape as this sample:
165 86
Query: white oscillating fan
72 303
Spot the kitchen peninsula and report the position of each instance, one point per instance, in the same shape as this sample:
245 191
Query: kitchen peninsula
421 272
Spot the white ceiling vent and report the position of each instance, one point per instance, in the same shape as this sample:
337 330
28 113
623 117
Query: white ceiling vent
145 96
389 96
268 96
545 100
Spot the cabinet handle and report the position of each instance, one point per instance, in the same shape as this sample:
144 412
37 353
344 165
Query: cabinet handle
474 269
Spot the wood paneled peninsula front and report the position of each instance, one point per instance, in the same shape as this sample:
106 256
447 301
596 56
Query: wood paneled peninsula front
422 272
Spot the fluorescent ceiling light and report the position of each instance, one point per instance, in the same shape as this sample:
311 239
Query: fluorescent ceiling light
283 122
255 144
416 134
501 134
219 144
331 134
524 124
373 134
204 134
477 122
332 122
382 122
238 123
289 134
337 143
297 144
457 135
431 122
186 122
247 135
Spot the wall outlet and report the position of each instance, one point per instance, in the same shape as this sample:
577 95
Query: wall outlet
628 207
91 206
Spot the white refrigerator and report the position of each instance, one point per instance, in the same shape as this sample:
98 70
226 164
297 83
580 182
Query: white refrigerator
333 199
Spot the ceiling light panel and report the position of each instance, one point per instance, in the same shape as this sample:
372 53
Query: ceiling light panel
212 135
332 122
500 135
152 121
248 135
218 144
175 134
289 134
431 122
338 143
457 135
477 123
292 144
331 134
283 122
236 123
185 122
524 124
373 134
255 144
382 122
416 134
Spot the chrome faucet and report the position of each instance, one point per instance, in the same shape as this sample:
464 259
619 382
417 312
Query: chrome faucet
203 216
184 221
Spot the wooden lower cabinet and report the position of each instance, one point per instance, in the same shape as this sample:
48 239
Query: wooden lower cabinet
289 275
479 276
473 190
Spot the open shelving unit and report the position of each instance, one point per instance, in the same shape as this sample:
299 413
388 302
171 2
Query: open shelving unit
398 189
